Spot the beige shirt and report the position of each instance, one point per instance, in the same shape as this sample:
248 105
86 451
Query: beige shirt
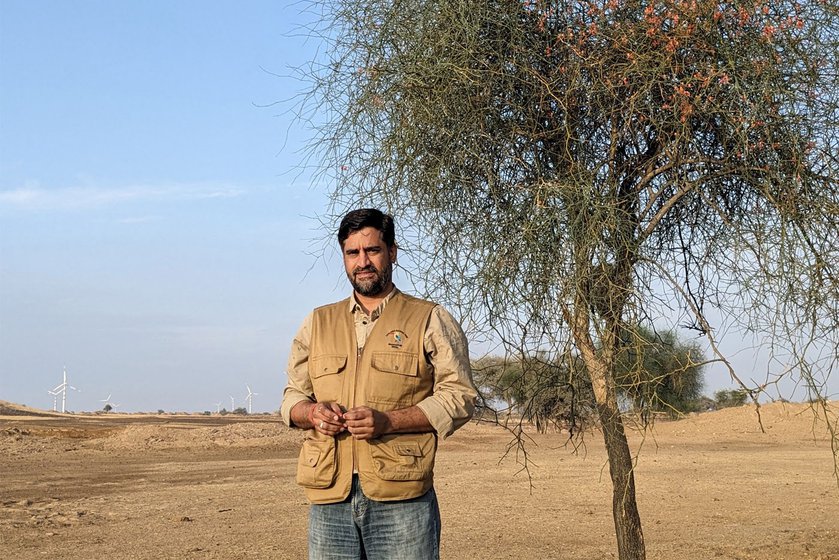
446 351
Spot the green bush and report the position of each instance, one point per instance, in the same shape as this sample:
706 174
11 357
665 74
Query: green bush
727 398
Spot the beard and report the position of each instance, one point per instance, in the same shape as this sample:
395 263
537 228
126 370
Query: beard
372 286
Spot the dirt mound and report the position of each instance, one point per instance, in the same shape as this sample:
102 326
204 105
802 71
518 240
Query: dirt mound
245 434
27 431
12 409
777 419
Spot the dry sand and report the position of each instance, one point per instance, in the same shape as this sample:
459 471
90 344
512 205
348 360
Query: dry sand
711 486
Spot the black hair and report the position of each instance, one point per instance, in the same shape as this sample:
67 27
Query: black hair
367 217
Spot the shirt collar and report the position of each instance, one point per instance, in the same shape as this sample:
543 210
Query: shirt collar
355 307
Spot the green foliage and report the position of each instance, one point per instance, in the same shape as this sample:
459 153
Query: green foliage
240 410
658 372
543 391
726 398
107 407
655 371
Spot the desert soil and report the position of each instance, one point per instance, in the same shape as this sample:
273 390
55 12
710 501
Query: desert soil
710 486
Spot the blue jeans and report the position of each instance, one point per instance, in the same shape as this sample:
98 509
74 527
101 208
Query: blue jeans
360 528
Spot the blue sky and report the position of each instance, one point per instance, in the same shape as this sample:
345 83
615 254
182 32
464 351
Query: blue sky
156 230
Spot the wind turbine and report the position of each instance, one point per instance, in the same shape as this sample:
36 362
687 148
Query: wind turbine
62 390
232 404
218 407
249 398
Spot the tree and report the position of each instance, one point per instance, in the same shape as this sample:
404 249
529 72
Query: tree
572 167
654 372
539 390
107 407
726 398
657 372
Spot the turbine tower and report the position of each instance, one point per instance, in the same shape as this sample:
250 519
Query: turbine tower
62 390
249 398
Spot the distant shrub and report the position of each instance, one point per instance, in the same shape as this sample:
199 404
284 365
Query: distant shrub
705 404
727 398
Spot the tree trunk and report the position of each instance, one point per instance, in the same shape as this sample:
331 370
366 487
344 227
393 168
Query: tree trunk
624 508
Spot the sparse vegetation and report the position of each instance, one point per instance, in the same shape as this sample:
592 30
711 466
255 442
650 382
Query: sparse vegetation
536 389
657 372
726 398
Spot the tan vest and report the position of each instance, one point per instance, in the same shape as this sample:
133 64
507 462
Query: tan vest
390 373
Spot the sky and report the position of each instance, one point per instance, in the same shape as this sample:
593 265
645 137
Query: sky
156 228
158 236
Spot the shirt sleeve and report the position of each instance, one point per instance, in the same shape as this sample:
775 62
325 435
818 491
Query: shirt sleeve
453 401
299 387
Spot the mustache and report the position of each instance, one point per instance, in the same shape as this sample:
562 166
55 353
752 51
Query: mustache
368 268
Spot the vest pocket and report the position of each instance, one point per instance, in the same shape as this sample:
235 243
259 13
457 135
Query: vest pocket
316 465
394 378
404 456
326 373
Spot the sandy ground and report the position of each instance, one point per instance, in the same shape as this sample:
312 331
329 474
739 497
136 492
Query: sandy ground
711 486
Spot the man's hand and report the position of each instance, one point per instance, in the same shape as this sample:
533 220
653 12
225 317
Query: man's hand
326 418
367 423
364 422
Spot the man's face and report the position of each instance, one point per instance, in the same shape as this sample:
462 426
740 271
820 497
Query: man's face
368 261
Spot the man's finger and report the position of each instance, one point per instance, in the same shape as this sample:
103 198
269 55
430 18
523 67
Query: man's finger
358 413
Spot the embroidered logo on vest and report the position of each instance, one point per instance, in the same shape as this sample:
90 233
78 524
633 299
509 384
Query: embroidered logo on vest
395 339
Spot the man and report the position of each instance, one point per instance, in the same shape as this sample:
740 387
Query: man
375 378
